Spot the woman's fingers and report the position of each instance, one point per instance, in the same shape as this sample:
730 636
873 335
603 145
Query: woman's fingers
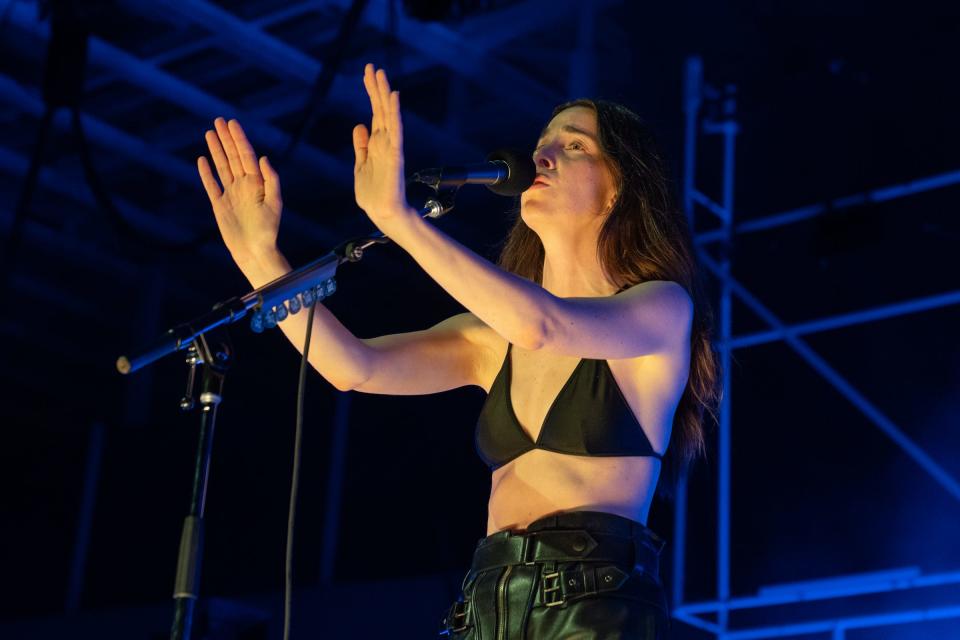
385 105
383 89
206 177
370 83
361 138
396 121
271 181
248 159
219 158
229 147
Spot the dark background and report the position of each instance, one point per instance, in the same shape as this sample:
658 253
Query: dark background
829 105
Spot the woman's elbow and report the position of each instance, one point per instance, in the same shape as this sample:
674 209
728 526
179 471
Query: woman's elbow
535 335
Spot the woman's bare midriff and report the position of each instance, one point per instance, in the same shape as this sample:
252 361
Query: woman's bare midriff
539 483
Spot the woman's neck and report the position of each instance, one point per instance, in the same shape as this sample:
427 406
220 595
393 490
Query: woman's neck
575 272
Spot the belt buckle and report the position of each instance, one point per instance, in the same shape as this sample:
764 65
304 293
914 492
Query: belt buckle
526 549
553 589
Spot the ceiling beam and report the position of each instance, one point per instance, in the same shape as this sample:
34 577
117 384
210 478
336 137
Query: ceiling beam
105 77
57 182
142 153
271 103
453 51
170 88
491 29
271 54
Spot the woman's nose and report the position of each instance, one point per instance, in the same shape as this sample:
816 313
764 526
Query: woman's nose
543 157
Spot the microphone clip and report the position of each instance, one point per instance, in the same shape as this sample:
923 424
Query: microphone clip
441 203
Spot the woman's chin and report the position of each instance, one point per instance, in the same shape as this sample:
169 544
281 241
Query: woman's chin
532 206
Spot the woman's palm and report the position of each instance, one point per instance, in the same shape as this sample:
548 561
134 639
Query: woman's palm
248 207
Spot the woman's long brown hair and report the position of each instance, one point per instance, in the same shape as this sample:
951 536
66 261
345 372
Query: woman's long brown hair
645 237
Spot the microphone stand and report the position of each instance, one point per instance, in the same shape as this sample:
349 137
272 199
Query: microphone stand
187 581
267 306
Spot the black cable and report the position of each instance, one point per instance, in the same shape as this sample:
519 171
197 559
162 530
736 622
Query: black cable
295 480
321 86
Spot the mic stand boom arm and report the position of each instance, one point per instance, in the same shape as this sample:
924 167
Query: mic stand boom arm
273 301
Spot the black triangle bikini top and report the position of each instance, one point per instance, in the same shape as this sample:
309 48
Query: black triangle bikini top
589 417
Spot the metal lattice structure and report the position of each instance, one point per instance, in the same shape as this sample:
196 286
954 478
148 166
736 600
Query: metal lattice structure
186 62
830 589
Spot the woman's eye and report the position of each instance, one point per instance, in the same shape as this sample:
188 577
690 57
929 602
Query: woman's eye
575 145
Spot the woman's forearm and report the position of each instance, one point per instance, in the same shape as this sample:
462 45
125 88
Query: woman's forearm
512 306
335 352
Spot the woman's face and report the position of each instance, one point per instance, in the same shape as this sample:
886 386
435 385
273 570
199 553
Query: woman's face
574 185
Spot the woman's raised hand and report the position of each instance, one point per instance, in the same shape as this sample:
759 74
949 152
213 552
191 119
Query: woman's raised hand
248 206
378 178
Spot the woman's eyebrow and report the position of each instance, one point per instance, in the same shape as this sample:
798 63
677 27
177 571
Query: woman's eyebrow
570 129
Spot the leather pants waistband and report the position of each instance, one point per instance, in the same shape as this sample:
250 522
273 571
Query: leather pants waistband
586 536
556 560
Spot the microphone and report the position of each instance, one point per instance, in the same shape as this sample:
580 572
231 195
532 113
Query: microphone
507 172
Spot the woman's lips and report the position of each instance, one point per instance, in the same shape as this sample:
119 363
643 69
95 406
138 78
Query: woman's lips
539 181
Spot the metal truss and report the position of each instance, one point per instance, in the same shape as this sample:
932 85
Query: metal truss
466 51
833 588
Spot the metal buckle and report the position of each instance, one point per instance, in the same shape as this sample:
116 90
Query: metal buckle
526 550
555 589
459 610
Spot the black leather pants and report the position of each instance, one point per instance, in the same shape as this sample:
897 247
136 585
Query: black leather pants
584 575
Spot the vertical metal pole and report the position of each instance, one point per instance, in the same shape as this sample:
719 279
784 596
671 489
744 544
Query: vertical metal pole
691 109
331 516
186 585
91 475
726 333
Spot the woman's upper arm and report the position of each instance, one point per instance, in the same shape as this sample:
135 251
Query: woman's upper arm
453 353
649 317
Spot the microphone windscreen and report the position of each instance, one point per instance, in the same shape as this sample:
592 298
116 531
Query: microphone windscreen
522 171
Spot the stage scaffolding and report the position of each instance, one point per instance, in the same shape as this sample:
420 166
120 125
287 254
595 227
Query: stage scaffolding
830 589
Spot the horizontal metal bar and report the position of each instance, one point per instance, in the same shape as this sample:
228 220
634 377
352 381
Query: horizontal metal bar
847 319
791 216
777 599
824 585
857 399
855 622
